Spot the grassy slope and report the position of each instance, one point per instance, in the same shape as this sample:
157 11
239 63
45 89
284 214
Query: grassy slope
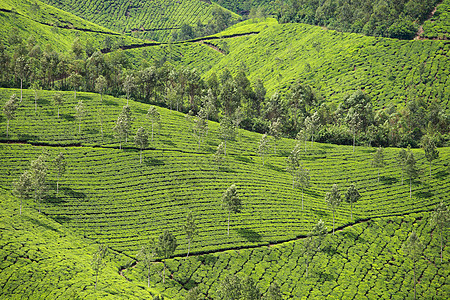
439 25
40 259
26 23
387 69
157 18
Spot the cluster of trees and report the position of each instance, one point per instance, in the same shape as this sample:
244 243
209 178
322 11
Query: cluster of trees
32 184
391 18
300 111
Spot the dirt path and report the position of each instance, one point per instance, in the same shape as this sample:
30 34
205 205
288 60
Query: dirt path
420 31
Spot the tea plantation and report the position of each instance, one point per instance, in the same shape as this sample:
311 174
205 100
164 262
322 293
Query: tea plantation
106 196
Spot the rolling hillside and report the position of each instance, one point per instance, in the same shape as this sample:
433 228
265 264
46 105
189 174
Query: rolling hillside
154 20
107 196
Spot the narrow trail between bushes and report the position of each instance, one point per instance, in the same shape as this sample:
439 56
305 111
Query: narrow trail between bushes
420 31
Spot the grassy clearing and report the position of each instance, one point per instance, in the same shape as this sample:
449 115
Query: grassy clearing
43 259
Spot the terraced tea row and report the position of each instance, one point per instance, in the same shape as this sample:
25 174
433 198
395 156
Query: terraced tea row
42 259
150 17
336 63
364 261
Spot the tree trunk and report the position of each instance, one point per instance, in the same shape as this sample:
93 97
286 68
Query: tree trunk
228 223
164 273
410 189
225 148
21 81
333 222
351 212
189 247
354 142
152 132
75 90
96 279
415 295
430 169
302 197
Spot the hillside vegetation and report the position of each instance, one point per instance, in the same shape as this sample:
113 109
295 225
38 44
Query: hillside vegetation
438 27
43 259
155 20
334 63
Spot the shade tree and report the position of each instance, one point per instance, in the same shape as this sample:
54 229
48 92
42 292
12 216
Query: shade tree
75 81
229 288
97 262
273 292
219 155
411 169
413 249
311 125
38 174
401 160
378 160
141 140
154 117
429 147
313 243
23 188
227 131
275 132
441 218
231 203
60 166
263 146
100 86
302 179
58 100
146 255
81 113
167 244
293 162
9 109
333 199
352 196
190 229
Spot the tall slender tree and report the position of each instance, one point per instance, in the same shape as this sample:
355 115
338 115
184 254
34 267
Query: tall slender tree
263 146
60 165
81 113
231 203
23 188
312 244
275 132
431 152
401 160
378 160
97 261
141 140
227 131
411 169
413 248
100 86
167 244
293 162
38 177
441 218
352 196
154 116
58 100
75 81
147 255
303 177
190 229
333 199
10 111
129 85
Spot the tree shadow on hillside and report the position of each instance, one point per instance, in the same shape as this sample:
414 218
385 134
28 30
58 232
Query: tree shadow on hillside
320 213
323 276
441 174
168 142
67 117
26 137
245 159
273 167
151 161
388 179
110 103
424 194
249 235
71 193
207 259
40 223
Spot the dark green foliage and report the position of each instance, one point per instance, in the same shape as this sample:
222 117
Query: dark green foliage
392 18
